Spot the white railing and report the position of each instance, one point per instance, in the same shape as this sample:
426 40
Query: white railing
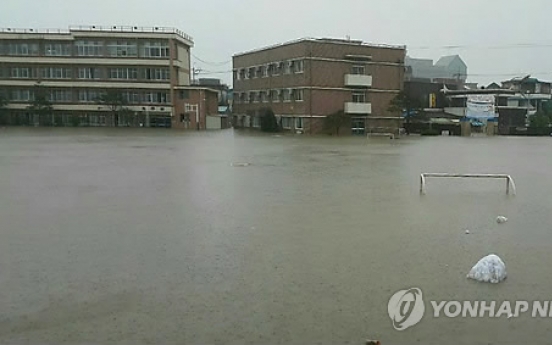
124 28
508 178
33 31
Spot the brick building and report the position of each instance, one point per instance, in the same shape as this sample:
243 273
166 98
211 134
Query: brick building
306 80
147 68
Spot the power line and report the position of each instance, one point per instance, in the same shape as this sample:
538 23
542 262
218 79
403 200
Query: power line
212 63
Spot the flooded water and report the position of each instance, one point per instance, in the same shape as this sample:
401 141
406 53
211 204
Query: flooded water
111 236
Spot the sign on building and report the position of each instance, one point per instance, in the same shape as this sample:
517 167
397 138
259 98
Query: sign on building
480 106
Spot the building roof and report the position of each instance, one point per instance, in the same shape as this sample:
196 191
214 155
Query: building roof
115 29
323 40
447 60
525 81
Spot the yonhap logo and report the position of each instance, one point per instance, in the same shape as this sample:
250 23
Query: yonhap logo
406 308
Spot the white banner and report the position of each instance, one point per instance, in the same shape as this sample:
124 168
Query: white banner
480 106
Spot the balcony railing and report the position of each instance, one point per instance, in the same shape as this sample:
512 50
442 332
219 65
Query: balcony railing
358 108
358 80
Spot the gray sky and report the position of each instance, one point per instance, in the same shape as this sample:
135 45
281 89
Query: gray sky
488 31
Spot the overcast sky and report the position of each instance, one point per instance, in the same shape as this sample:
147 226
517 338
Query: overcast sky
498 39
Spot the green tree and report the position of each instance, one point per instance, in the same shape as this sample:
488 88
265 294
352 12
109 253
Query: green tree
269 122
115 102
411 107
540 120
334 122
41 105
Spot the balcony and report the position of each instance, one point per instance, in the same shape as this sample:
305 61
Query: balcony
358 80
358 108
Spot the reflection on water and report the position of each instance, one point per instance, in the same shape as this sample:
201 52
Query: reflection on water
153 236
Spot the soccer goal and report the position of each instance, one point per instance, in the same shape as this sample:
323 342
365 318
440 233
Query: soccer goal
510 185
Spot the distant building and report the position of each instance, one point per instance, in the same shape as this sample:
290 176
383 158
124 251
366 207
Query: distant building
306 80
148 68
447 69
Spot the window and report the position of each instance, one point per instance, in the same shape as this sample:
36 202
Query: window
264 71
88 95
299 66
298 95
244 98
20 72
23 49
122 49
256 121
155 49
287 95
251 97
123 73
22 95
276 69
359 69
89 48
251 73
286 122
255 96
359 97
131 97
243 74
156 74
299 123
235 75
275 96
263 96
287 67
57 49
89 73
358 125
56 73
59 95
157 97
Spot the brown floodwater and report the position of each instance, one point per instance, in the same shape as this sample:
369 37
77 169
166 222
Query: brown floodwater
143 236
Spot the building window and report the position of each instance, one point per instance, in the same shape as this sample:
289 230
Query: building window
23 49
57 49
122 49
264 71
236 75
287 67
123 73
286 122
359 97
359 69
299 66
20 72
263 96
255 96
299 123
358 125
244 98
298 95
57 73
89 73
88 96
251 73
89 48
59 96
157 97
275 69
286 95
275 96
256 121
21 95
156 74
131 97
155 49
243 74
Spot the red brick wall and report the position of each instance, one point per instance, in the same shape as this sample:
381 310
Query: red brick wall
209 106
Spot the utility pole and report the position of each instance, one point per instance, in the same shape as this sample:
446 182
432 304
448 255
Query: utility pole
195 71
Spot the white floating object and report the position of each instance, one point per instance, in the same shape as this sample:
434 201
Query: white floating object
467 232
501 219
241 165
490 269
